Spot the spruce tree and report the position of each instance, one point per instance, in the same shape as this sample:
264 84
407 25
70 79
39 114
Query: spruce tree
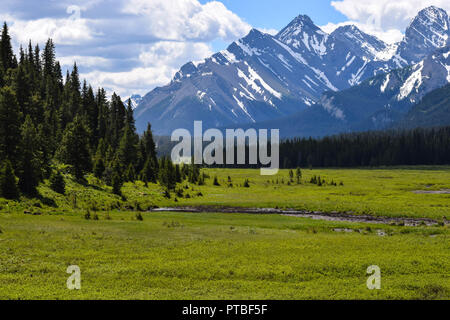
178 177
29 170
74 148
130 174
103 115
37 59
117 120
127 152
167 176
150 148
91 112
117 183
130 117
148 174
9 125
99 168
48 58
8 185
6 52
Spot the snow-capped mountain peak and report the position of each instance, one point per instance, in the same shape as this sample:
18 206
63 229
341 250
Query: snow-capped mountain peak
303 35
428 31
261 77
135 100
370 46
300 24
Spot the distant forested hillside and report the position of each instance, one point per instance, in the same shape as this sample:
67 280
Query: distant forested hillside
433 110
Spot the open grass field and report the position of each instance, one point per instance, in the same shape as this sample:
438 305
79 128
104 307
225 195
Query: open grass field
231 256
217 256
406 192
383 192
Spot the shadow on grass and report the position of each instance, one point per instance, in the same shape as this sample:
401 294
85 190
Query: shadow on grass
43 199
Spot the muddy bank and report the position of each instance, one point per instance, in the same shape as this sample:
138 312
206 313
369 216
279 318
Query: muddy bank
444 191
333 216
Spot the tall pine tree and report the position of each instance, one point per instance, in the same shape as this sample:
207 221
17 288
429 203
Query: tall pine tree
29 171
74 148
9 124
7 57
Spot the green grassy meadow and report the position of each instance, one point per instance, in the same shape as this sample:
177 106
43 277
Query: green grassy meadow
230 256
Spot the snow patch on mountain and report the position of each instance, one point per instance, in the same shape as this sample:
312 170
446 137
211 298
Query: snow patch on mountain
328 105
385 83
413 82
135 99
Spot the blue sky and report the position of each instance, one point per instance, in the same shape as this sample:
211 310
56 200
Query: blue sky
132 46
270 15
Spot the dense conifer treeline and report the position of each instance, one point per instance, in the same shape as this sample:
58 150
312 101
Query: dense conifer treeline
420 146
383 148
45 120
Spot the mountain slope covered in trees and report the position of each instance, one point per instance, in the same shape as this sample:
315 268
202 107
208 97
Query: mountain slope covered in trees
432 110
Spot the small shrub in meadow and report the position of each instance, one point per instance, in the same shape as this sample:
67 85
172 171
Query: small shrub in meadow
298 175
291 176
74 200
201 181
179 193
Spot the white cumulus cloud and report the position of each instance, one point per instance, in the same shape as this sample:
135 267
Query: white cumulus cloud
174 53
188 19
67 31
385 19
129 46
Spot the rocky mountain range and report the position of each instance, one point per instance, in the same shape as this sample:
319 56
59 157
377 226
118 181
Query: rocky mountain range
348 78
381 102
